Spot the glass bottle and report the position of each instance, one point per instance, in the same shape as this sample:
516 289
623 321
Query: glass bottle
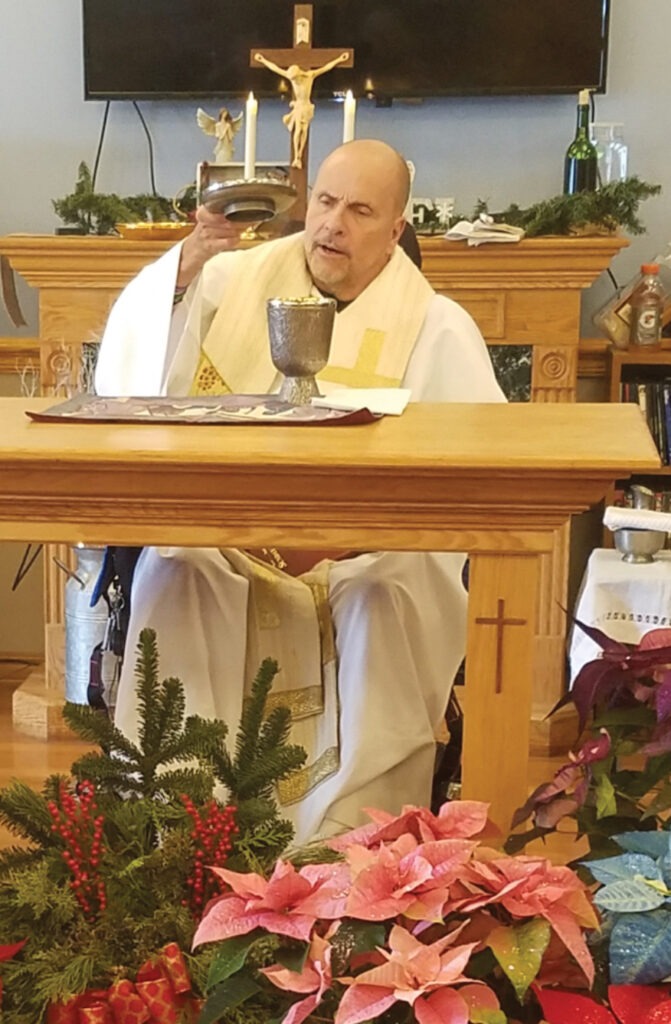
647 303
580 164
611 151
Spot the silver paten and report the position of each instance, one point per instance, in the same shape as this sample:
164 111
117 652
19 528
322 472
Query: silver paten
300 333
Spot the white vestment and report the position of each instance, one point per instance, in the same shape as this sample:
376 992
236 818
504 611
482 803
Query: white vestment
399 617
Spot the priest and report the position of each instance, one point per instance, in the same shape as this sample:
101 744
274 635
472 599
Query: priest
368 643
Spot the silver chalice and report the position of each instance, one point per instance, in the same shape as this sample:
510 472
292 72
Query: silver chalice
300 341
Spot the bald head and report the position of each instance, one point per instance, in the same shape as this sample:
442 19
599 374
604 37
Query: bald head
355 216
379 158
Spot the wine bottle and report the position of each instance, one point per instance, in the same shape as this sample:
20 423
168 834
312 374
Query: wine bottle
580 165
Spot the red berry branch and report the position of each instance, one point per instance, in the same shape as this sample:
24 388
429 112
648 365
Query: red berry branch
212 835
80 827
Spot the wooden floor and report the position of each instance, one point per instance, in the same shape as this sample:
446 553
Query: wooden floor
33 760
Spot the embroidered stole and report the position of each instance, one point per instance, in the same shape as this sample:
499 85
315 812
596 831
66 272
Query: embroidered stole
373 336
289 619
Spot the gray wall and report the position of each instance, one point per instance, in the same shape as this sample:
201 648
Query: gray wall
502 149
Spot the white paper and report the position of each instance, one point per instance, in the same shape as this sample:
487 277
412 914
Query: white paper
483 229
388 401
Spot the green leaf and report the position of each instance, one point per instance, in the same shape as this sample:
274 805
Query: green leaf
605 798
483 1016
230 957
293 957
661 803
519 951
641 715
231 993
354 937
628 897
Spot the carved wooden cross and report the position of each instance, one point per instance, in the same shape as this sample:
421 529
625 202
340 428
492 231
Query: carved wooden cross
303 56
500 622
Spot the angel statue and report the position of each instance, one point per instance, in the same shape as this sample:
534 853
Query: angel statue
224 128
302 109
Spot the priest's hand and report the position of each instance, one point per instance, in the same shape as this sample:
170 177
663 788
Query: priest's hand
213 233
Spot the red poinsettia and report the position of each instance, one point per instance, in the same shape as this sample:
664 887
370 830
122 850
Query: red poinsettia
629 1004
7 953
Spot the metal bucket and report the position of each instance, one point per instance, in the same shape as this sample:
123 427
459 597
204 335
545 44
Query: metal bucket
84 626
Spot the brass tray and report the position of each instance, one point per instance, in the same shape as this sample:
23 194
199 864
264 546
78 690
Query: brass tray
155 231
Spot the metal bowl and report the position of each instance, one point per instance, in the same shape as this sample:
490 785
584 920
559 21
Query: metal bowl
639 545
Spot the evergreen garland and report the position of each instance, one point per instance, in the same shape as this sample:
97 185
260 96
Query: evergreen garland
97 213
148 845
613 206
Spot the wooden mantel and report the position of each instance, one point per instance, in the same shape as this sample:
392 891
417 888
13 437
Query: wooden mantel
525 293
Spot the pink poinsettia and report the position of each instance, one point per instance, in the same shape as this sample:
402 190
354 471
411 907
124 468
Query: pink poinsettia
404 878
315 978
412 970
530 887
461 819
288 903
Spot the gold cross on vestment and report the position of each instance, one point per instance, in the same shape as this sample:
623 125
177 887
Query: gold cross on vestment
500 622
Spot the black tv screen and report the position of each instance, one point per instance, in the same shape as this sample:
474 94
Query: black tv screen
136 49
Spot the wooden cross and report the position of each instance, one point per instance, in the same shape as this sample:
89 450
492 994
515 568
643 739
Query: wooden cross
301 56
500 622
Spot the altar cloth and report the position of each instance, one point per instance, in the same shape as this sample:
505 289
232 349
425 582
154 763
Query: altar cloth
623 599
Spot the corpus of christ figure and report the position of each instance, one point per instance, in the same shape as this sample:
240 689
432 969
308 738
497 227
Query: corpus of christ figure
301 65
302 108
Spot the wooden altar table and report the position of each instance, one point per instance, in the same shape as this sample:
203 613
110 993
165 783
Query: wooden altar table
523 294
496 481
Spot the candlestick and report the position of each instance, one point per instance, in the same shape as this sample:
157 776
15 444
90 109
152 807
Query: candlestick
251 111
348 118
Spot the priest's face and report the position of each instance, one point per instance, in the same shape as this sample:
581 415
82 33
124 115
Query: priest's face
354 217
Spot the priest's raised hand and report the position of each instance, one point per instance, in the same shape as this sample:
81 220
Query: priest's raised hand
213 233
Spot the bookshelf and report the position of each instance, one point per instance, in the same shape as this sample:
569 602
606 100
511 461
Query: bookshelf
643 375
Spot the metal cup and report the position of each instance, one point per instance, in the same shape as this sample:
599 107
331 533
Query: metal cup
300 333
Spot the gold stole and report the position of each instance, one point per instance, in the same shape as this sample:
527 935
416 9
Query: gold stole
373 336
290 620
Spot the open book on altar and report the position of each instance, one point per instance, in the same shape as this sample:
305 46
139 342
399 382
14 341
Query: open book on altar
220 410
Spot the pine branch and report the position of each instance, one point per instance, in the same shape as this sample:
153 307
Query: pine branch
256 767
276 729
253 714
24 812
614 205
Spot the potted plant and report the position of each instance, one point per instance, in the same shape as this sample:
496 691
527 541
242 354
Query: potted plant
617 787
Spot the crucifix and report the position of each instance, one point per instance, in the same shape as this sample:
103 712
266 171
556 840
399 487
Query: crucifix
301 65
500 622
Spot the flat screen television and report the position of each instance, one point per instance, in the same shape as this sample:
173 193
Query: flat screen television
135 49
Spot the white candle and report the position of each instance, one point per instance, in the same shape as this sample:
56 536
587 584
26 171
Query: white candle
251 110
349 115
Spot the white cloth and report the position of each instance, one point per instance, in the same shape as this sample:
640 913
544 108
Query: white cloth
616 518
400 618
622 599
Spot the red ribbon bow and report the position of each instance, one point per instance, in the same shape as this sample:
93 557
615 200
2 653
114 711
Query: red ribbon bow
159 995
